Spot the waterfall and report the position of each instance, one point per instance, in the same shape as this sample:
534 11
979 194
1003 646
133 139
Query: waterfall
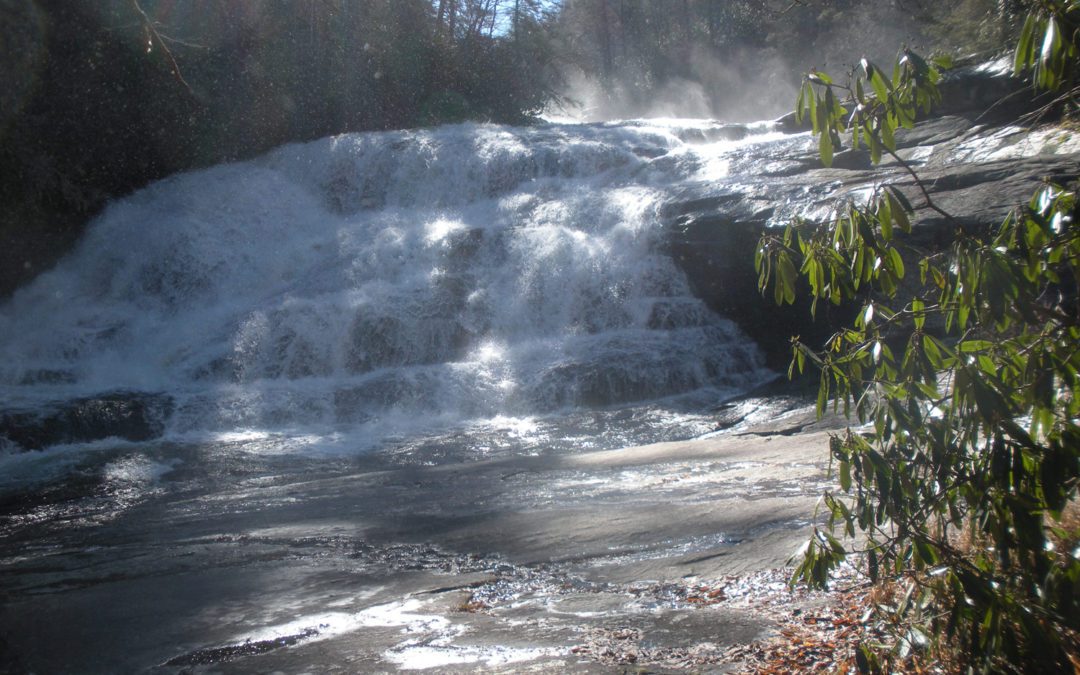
384 280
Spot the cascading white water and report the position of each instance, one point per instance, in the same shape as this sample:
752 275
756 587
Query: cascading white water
383 281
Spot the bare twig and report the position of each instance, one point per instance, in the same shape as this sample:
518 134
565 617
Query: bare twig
154 37
1001 101
919 183
1036 116
793 5
182 43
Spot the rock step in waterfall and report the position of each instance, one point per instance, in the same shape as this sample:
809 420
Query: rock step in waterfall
383 280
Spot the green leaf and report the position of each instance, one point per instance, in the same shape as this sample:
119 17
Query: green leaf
926 552
974 346
858 264
896 263
900 197
875 145
887 281
933 353
790 277
880 85
834 544
943 61
939 278
836 111
1022 57
1051 43
885 220
825 147
886 129
905 115
899 212
917 307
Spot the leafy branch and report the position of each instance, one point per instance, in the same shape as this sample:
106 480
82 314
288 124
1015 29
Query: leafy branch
965 488
871 107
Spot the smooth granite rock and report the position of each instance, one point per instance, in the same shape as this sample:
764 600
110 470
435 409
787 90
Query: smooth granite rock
972 165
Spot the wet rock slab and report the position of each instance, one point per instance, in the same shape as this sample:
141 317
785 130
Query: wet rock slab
973 158
584 562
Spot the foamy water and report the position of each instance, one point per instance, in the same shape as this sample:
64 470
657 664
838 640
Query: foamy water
379 284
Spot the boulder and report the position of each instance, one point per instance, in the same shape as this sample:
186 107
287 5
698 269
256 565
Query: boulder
127 415
977 169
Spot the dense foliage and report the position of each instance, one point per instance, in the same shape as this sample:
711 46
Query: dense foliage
102 96
965 485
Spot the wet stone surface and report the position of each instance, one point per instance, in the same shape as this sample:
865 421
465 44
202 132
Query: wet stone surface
181 559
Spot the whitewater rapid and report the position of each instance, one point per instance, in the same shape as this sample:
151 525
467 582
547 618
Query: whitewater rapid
378 284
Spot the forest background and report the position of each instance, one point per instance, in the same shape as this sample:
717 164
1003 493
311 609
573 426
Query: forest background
100 97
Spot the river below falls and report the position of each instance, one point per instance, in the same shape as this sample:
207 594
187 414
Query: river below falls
474 550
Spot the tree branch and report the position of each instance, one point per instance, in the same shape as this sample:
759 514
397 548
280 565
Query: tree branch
154 37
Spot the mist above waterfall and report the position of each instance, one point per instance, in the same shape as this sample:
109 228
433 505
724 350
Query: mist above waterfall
745 87
734 61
